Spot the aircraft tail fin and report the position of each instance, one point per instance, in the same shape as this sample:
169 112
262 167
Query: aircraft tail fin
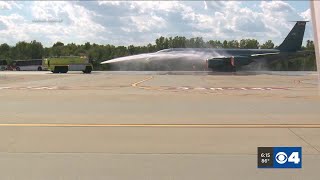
293 41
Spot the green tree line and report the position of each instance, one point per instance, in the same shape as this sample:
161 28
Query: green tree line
98 53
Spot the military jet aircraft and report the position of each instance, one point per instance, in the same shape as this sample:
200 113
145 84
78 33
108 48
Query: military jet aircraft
213 59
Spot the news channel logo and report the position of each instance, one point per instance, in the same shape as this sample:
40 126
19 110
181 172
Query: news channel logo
279 157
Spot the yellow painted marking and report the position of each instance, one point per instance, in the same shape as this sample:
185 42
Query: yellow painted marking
139 82
170 125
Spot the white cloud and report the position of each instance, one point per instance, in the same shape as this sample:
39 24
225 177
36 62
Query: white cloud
77 23
117 3
277 16
306 15
11 32
144 23
9 5
141 22
5 5
276 7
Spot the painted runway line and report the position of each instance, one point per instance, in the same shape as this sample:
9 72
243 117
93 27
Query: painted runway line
142 81
168 125
138 85
224 88
183 88
31 88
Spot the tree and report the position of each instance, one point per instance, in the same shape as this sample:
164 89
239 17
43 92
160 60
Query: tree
46 52
310 45
199 43
181 41
225 44
267 45
151 48
177 42
131 49
57 48
4 51
22 50
160 43
70 49
36 50
233 44
97 53
58 44
87 46
249 44
215 44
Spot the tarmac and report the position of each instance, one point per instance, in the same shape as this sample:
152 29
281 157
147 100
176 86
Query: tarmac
156 125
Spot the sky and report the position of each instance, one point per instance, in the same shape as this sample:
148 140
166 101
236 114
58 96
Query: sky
141 22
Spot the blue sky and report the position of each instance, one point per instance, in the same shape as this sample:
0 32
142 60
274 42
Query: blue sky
141 22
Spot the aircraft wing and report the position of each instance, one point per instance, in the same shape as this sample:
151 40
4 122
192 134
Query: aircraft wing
231 62
264 54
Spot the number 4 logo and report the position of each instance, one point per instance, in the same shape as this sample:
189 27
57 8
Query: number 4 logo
294 157
287 157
